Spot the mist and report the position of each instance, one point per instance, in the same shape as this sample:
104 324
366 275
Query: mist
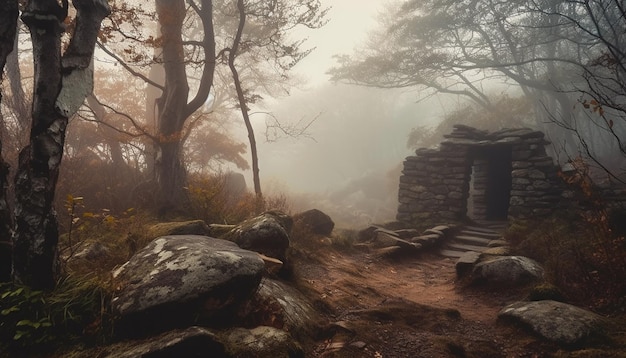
349 155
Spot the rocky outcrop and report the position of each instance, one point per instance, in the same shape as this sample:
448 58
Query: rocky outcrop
175 278
435 183
556 321
267 234
314 221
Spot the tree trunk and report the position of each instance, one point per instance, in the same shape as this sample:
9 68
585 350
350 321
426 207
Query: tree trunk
259 203
60 87
8 31
173 109
170 172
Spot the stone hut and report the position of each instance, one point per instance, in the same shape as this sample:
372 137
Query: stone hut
481 175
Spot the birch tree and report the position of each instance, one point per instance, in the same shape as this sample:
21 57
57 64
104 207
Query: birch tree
62 80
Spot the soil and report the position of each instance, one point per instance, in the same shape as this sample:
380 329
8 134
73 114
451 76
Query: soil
409 307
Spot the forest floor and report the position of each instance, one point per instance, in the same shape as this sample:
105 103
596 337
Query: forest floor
412 307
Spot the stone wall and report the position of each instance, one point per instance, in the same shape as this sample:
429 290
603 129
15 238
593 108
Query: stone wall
441 184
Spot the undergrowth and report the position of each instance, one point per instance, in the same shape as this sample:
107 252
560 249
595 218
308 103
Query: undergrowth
35 322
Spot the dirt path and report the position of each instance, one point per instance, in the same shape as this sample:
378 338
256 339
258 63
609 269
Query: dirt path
410 307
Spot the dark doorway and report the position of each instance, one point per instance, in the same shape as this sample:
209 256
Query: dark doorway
498 188
490 183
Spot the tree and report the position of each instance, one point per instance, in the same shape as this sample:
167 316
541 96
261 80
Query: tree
62 81
283 53
8 29
546 48
264 55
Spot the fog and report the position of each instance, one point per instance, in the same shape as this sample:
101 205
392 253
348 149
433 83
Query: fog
349 156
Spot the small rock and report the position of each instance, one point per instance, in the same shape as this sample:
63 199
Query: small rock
466 262
314 221
92 252
497 251
358 344
385 238
497 243
406 233
508 270
267 234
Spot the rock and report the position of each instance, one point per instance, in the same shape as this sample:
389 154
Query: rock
260 342
175 277
384 238
94 251
367 234
427 240
315 222
497 251
508 270
466 262
406 233
297 314
190 342
267 234
556 321
445 229
497 243
194 227
433 232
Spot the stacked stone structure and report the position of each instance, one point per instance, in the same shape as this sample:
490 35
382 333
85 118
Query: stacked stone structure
487 176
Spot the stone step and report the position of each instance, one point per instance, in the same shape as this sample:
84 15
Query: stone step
465 247
480 229
495 225
474 240
486 235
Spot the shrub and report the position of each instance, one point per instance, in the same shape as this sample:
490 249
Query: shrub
35 321
216 199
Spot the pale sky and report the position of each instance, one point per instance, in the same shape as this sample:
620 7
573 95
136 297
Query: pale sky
350 20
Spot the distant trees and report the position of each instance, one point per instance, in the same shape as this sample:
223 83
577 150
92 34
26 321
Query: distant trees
562 55
62 80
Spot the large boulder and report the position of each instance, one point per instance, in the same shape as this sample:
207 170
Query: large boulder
556 321
261 341
176 278
507 270
314 221
267 234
